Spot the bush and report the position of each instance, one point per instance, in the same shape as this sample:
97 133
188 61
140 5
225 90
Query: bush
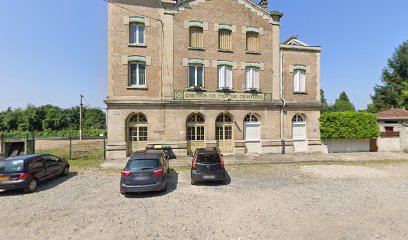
348 125
50 133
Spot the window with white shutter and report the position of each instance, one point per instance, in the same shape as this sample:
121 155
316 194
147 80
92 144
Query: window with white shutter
252 78
224 77
299 81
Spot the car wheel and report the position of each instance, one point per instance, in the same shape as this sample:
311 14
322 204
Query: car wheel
31 186
224 182
65 172
193 182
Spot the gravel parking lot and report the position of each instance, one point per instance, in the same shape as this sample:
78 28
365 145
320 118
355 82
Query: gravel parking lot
345 201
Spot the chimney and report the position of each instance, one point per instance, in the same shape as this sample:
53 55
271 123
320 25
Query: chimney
264 4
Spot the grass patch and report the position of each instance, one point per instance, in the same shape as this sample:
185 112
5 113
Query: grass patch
84 156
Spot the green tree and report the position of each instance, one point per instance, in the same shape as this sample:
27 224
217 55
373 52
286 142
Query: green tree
342 104
323 101
394 91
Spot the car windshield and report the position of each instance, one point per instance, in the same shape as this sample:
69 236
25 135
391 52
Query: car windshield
208 157
146 164
11 166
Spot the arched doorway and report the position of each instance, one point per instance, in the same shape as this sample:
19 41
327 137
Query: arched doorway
298 127
137 132
252 134
224 133
299 133
195 132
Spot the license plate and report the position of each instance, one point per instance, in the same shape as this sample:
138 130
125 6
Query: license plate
141 178
208 177
4 178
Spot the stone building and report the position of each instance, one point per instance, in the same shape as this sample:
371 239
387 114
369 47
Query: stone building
393 124
208 73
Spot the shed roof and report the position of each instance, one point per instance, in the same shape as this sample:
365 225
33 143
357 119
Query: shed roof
393 114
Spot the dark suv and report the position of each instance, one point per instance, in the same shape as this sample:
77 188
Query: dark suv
207 165
144 172
25 172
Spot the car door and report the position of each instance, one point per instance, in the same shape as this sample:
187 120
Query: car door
51 165
37 169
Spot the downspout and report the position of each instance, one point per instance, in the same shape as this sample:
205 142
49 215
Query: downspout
283 144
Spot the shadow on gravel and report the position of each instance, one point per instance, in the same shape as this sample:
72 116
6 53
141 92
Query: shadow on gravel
209 183
172 181
43 186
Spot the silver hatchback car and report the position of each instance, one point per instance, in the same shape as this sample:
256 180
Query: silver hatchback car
145 171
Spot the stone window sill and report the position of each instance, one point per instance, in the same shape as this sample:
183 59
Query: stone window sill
137 45
225 90
301 93
253 53
196 89
196 49
137 88
225 50
252 90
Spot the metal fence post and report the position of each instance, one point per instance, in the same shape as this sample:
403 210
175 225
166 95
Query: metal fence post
33 143
104 146
70 147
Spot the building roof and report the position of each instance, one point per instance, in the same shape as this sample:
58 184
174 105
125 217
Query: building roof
294 43
393 114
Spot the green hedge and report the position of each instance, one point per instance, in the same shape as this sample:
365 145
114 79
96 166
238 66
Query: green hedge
62 133
348 125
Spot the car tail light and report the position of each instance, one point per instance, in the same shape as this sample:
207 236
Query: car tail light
222 161
125 173
158 171
23 176
195 162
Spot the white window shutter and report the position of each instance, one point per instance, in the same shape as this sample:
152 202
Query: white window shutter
256 78
229 77
302 81
299 131
252 131
296 81
220 76
248 78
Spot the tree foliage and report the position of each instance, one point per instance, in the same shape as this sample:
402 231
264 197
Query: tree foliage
50 118
323 101
394 91
348 125
342 104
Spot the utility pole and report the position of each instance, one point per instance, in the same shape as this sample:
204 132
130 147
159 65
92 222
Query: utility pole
80 119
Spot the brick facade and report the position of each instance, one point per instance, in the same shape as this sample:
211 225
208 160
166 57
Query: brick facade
167 53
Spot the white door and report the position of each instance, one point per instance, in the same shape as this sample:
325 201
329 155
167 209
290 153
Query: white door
299 131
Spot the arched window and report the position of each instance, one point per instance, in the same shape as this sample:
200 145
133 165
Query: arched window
224 118
298 119
195 118
250 118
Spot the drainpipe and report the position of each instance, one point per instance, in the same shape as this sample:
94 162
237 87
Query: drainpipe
283 144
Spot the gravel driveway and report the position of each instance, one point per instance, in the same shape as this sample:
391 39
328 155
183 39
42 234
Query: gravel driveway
261 202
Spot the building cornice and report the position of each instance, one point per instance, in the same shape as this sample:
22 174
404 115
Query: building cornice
301 48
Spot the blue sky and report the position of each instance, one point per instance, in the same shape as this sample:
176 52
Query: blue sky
53 51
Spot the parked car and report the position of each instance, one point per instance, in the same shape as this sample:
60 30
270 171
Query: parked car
2 157
207 165
168 151
27 171
144 172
